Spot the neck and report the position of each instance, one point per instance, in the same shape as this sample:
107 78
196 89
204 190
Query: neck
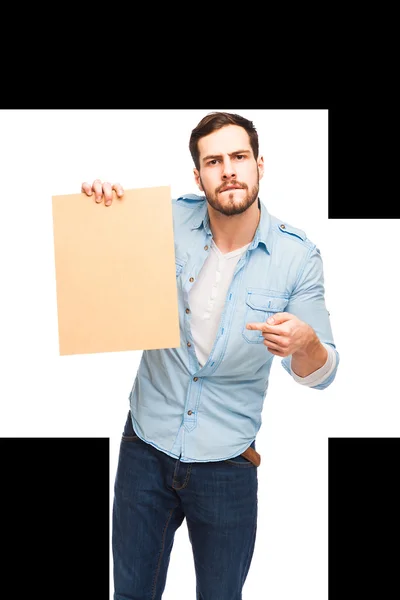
233 232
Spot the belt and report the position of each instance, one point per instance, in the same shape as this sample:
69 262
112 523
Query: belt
252 455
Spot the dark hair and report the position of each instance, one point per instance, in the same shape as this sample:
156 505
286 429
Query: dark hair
217 120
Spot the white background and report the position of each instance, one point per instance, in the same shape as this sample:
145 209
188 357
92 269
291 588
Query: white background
51 152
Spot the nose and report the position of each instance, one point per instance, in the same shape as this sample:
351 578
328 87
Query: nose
229 171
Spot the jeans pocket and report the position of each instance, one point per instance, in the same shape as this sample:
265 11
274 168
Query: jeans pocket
234 462
239 461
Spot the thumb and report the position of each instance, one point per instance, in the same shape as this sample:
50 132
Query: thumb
279 317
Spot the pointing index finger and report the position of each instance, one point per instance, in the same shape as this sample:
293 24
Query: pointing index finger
260 326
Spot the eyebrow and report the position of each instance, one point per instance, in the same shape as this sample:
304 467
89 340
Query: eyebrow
214 156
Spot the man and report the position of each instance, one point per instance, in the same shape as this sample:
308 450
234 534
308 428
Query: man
249 288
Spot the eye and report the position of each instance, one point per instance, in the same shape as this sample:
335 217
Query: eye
213 161
239 156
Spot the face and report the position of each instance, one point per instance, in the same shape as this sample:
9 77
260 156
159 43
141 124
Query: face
229 174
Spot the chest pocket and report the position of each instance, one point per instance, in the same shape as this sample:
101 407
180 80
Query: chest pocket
260 304
179 264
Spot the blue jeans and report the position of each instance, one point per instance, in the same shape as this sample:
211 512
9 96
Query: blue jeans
153 493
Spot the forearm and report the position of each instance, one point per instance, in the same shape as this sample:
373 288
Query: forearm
310 358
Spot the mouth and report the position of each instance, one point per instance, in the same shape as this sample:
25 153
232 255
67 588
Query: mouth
229 188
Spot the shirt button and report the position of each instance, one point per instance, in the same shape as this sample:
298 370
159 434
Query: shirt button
195 378
205 247
191 279
189 344
283 227
190 412
187 311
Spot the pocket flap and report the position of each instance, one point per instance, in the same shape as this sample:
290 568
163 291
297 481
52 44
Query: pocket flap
265 302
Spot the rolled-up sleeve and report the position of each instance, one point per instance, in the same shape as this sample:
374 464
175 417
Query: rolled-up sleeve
307 302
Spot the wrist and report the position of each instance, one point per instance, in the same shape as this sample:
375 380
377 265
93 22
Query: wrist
311 347
311 357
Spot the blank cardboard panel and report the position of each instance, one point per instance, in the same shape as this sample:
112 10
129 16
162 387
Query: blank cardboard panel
115 272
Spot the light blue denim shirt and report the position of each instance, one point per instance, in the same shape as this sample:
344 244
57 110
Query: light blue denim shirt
213 412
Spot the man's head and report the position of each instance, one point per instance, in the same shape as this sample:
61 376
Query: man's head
224 148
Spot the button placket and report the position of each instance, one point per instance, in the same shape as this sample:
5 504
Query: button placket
190 416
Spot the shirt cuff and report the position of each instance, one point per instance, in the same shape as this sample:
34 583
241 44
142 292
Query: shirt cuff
320 374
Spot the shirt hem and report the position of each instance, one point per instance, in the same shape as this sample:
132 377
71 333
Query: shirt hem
186 459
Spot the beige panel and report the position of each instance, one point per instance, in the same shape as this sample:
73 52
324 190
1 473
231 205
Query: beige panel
115 272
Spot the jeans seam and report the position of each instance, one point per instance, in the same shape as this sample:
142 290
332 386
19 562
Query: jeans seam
154 588
184 484
198 597
251 548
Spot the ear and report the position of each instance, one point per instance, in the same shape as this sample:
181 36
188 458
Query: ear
197 179
260 165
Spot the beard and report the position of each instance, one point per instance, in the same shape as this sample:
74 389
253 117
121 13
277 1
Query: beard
229 206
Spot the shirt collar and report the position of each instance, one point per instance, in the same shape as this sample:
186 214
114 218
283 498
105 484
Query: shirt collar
201 218
262 232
